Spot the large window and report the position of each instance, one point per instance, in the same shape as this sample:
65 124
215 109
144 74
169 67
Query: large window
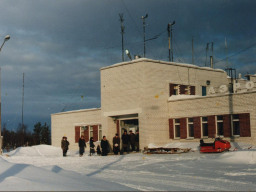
190 127
177 128
220 130
236 124
205 126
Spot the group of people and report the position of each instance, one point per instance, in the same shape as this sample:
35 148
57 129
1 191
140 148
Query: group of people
130 142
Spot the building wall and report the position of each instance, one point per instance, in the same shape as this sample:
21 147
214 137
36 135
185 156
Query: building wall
64 124
239 103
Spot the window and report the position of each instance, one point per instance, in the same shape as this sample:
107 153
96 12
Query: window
177 128
91 131
203 90
176 90
187 90
190 127
236 124
100 133
220 130
205 126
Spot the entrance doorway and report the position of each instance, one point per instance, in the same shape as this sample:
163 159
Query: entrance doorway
131 125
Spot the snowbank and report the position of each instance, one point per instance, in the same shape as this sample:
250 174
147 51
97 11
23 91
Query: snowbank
37 150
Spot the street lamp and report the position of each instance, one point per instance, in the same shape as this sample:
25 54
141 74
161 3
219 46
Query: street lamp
7 37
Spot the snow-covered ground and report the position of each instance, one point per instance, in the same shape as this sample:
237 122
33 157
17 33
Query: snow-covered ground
42 168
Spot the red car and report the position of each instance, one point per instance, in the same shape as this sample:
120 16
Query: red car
217 146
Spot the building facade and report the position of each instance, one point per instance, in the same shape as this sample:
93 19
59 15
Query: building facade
166 102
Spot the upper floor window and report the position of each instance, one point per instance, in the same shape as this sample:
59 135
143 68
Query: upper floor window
176 89
203 90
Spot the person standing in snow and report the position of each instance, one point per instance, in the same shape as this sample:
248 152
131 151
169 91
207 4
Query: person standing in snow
82 145
98 150
92 150
116 144
125 141
104 146
64 145
132 140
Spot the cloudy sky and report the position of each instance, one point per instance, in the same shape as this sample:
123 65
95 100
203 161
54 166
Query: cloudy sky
60 45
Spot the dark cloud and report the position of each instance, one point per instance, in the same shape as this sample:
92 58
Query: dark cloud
61 46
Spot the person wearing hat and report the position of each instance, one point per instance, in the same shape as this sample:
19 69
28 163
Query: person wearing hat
116 144
64 145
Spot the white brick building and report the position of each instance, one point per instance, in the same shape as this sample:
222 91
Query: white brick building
167 102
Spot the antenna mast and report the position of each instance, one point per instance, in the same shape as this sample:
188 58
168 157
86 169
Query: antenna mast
207 47
226 50
192 50
169 29
144 32
122 32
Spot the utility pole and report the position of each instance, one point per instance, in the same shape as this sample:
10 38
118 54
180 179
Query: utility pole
144 33
122 32
22 120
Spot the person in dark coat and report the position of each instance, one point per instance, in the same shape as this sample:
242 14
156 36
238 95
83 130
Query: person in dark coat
92 150
82 145
104 146
137 141
98 150
125 141
116 144
132 140
64 146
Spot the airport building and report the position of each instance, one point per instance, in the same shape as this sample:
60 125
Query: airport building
167 102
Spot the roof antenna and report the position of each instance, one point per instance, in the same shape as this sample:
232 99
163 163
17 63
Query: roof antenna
170 40
144 32
122 32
